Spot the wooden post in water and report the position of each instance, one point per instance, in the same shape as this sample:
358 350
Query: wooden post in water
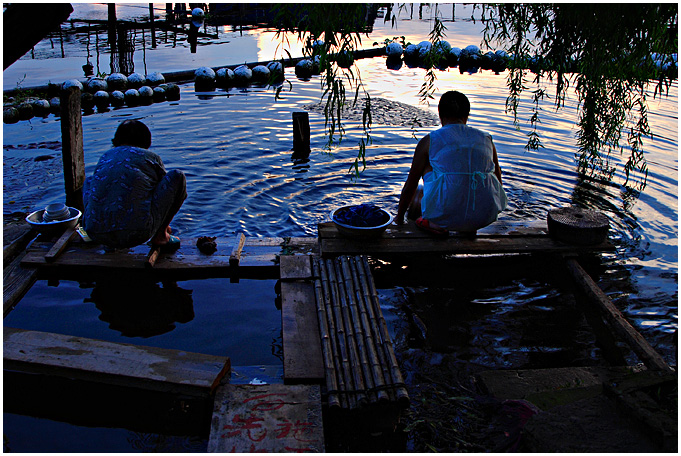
112 26
151 26
301 135
72 147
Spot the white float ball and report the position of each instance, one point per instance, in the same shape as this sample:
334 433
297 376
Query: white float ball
411 51
472 49
224 76
394 49
117 98
424 48
155 78
72 83
136 80
117 81
132 97
243 74
261 73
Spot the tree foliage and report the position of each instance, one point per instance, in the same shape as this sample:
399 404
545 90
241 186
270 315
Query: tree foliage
610 54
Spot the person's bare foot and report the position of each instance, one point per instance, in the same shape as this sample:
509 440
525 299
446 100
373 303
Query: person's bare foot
162 237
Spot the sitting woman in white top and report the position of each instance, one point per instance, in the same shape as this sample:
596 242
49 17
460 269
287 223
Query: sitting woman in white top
462 188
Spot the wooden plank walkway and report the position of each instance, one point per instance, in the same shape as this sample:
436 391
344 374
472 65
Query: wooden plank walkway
267 418
136 366
498 238
300 330
257 257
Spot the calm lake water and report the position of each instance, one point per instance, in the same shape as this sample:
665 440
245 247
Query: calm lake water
235 149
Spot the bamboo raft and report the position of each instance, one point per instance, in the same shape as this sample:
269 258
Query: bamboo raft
359 360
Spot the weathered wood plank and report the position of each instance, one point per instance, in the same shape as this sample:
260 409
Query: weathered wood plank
137 366
235 255
267 418
17 280
188 257
294 267
61 244
327 230
619 323
407 239
300 333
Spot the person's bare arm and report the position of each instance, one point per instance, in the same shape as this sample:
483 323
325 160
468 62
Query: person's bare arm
497 168
418 166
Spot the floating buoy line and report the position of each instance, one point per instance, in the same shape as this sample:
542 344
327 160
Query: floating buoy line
118 90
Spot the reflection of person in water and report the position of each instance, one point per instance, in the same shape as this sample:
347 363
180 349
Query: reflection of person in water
143 308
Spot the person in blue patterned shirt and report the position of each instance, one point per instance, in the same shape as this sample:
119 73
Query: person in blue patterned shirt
130 198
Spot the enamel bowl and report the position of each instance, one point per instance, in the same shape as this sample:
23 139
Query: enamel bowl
58 226
361 231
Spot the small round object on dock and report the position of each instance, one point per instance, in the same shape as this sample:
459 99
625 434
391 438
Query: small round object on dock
102 100
575 225
95 85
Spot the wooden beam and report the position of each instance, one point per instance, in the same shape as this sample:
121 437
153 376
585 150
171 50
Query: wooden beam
300 334
61 244
267 418
93 360
17 280
619 323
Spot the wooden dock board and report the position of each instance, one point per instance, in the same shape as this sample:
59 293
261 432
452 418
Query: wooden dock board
407 239
136 366
300 328
256 257
16 281
267 418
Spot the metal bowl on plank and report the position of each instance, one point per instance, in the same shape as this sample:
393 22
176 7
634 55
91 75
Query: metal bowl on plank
35 219
349 230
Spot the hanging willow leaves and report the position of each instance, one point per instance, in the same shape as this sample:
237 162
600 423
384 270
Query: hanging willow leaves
610 54
332 32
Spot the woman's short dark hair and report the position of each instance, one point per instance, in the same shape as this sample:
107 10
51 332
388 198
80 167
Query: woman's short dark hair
454 105
132 133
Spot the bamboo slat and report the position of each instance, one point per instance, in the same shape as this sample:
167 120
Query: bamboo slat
359 335
332 331
355 366
341 334
327 352
389 350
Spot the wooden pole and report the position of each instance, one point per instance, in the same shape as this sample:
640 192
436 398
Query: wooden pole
72 147
151 25
622 327
112 26
301 134
327 352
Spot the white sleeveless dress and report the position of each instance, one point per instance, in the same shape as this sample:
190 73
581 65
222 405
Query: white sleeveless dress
461 193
